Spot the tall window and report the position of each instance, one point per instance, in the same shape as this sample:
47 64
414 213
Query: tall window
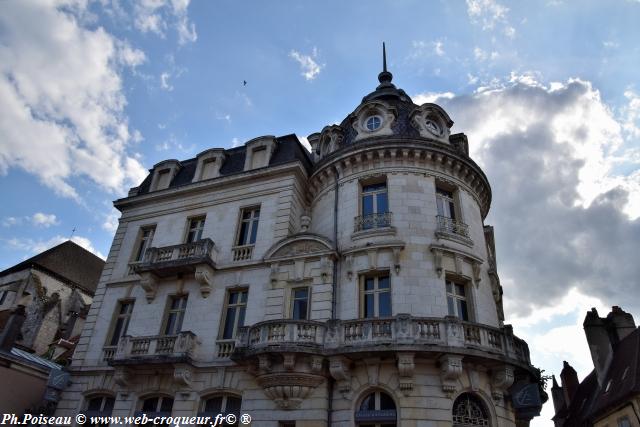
457 300
375 296
121 324
175 314
375 206
468 410
234 314
445 203
3 296
196 226
300 303
145 239
248 226
101 406
377 410
159 406
225 404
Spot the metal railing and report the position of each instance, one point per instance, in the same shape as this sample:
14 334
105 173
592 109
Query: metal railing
452 226
372 221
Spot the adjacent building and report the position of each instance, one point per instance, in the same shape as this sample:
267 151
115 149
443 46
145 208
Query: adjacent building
610 395
353 285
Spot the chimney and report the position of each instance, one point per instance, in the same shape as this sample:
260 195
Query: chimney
558 396
570 383
619 324
595 328
11 330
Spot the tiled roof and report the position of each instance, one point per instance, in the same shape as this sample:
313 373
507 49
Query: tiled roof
69 262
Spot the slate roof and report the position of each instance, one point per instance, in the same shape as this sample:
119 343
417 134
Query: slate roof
288 149
623 380
68 262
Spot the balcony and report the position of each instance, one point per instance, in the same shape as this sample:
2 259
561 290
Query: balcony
367 336
171 260
157 349
449 228
195 258
372 221
242 253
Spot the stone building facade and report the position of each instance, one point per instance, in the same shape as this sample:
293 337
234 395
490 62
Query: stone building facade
355 285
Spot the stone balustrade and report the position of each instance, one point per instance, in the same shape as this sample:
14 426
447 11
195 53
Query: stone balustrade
157 348
242 253
167 260
402 332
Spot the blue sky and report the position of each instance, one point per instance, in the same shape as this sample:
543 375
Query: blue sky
93 93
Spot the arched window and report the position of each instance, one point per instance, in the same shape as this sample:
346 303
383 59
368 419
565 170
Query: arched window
469 411
99 406
377 409
224 404
156 406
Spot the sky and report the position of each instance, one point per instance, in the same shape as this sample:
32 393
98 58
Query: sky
94 93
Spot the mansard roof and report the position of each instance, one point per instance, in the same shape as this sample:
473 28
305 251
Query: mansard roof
288 149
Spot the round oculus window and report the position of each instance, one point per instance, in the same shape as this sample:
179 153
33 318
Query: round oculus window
373 123
433 127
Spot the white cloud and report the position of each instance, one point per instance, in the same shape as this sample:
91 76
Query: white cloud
235 142
44 220
110 223
10 221
37 246
305 142
164 82
61 99
489 14
430 97
479 54
309 68
156 16
438 48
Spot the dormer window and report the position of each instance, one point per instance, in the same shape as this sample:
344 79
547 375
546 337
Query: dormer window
373 123
433 127
258 152
432 122
209 164
163 174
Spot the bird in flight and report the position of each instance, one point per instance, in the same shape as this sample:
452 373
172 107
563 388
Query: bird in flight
244 83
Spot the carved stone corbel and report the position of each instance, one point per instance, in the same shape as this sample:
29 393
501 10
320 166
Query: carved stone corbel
204 277
289 362
149 284
264 363
437 261
458 262
349 264
122 376
298 269
182 375
273 274
340 371
316 364
450 371
501 379
372 256
406 368
396 260
325 268
476 267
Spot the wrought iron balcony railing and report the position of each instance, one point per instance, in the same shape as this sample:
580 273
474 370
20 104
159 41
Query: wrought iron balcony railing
452 226
381 334
172 259
372 221
157 348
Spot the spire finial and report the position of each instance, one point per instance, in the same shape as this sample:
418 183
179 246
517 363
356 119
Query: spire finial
384 77
384 58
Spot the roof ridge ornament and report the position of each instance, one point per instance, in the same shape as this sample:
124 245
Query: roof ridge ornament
384 77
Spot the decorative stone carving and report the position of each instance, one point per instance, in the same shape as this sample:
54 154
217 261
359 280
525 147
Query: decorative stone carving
305 222
450 371
149 284
501 379
288 390
406 368
476 267
204 277
437 261
316 364
372 257
298 270
396 259
326 267
182 375
273 273
349 264
122 376
264 363
339 367
289 362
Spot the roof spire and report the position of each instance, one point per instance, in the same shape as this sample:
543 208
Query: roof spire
384 77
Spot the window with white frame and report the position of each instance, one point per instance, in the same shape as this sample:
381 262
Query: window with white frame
121 321
377 409
457 300
445 203
375 296
196 227
300 303
374 206
236 306
248 229
145 239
